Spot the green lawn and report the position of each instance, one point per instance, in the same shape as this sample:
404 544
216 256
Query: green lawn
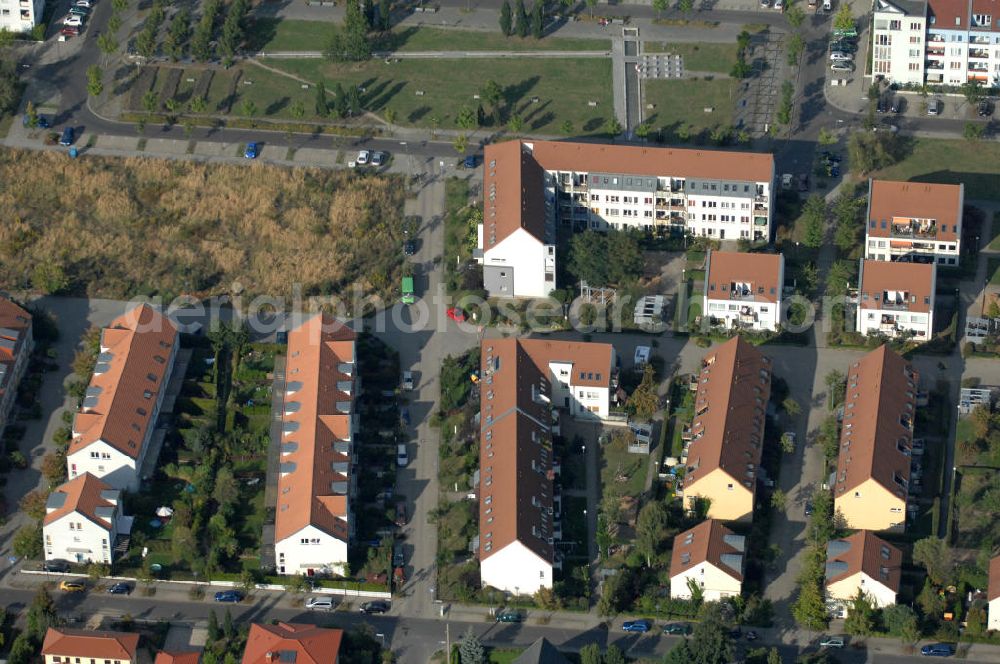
275 34
698 56
995 232
621 471
951 162
993 271
563 89
679 105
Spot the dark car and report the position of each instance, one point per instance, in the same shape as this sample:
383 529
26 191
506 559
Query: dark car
409 247
58 566
938 650
231 596
68 136
641 626
735 633
470 161
803 182
677 628
120 589
510 616
985 109
751 635
897 105
253 149
809 509
404 415
400 514
375 607
882 106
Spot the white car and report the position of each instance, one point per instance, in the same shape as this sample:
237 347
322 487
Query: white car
839 56
402 458
779 5
73 20
842 66
320 603
83 3
363 157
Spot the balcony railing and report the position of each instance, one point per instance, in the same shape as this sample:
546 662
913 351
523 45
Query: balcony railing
895 305
935 65
912 231
978 53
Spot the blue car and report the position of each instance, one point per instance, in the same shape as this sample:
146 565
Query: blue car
938 650
404 414
231 596
68 136
641 626
120 589
251 151
470 161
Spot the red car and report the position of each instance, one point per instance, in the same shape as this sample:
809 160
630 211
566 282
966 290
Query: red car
456 315
70 30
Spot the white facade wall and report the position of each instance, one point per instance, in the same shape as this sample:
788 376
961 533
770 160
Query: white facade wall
81 658
955 56
716 583
898 46
871 321
531 261
882 249
20 15
107 463
724 218
516 569
768 314
14 375
76 538
994 615
846 589
311 549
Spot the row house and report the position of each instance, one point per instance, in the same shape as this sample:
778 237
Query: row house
313 521
723 447
743 291
532 188
896 299
16 343
524 381
914 221
86 646
84 522
291 643
861 563
112 430
871 485
709 557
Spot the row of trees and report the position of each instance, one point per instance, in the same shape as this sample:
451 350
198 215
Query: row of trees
517 21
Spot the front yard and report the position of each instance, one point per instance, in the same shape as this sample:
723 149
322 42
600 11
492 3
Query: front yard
681 107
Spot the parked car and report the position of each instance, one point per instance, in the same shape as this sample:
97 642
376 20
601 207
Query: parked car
230 596
407 380
398 559
827 6
83 3
641 626
58 566
470 161
765 4
832 642
72 587
400 514
779 5
120 589
882 105
809 509
378 158
79 11
850 32
751 635
803 182
843 45
897 105
73 19
404 415
680 628
934 107
363 156
510 616
402 458
252 150
68 136
376 606
320 603
938 650
456 314
786 181
985 108
409 247
842 66
840 56
70 30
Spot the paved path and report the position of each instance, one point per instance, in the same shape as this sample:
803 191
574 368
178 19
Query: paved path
450 55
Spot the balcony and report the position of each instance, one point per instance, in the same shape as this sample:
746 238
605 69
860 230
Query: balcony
934 65
741 292
935 52
914 230
895 305
979 53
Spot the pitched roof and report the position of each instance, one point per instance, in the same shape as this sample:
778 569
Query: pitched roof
949 14
654 161
291 643
878 421
994 587
316 429
541 652
178 657
513 197
734 386
515 451
86 495
864 552
14 321
915 8
896 284
759 274
710 542
122 395
890 201
90 643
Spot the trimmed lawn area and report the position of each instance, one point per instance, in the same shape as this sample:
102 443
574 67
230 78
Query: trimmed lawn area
993 271
282 34
563 88
995 232
951 162
680 105
698 56
621 471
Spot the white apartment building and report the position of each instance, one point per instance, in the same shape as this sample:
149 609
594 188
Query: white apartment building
84 521
16 342
744 290
943 42
914 221
711 557
896 298
533 188
20 16
862 562
523 382
111 432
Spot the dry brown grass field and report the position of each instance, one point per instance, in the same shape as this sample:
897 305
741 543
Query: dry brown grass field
123 227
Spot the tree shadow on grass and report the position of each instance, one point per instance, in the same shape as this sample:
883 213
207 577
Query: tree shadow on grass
514 93
546 118
418 113
277 106
593 124
385 97
531 111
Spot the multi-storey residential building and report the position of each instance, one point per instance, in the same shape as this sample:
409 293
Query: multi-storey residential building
862 562
896 299
291 643
942 42
898 34
531 188
87 646
21 16
313 518
84 521
111 432
744 290
709 556
727 433
16 342
914 221
876 439
523 381
993 595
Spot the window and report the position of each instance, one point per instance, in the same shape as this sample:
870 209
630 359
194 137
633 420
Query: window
541 574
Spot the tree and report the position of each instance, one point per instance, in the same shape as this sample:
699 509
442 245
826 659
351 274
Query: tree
515 124
679 654
973 91
31 113
33 503
643 403
844 19
567 127
710 642
297 109
461 143
466 118
538 19
248 108
900 620
385 14
796 44
492 96
471 650
150 101
661 6
795 15
685 6
791 406
814 220
390 115
95 82
213 626
522 25
625 256
650 529
809 609
107 43
773 656
591 654
22 650
973 131
935 556
590 5
860 615
49 278
197 105
350 43
787 443
322 105
778 500
614 655
506 19
826 137
612 127
228 629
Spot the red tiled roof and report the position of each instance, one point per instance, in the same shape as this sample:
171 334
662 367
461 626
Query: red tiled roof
916 280
707 542
291 643
762 272
90 643
994 587
512 193
903 201
83 496
865 552
176 657
949 14
14 321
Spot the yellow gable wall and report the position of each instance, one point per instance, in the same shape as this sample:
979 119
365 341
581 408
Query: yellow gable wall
727 504
870 506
